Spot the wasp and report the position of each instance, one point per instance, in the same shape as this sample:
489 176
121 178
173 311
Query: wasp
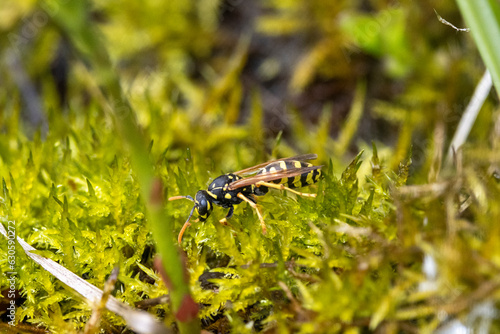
242 186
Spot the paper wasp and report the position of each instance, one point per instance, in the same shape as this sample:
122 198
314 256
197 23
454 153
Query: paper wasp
233 188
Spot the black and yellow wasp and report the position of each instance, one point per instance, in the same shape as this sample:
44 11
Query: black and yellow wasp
233 188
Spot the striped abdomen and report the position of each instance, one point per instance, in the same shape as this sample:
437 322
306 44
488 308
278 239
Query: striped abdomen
297 181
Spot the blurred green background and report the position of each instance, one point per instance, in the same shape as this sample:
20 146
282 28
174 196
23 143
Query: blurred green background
202 74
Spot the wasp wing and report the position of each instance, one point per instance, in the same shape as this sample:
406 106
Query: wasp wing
253 169
267 177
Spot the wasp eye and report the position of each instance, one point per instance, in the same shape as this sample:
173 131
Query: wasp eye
202 205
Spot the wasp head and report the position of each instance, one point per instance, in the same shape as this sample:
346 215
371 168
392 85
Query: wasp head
203 204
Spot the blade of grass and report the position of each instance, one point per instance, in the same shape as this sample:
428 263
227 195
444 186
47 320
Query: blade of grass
470 115
483 19
73 18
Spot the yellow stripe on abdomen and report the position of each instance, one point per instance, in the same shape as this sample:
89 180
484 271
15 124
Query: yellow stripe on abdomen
296 182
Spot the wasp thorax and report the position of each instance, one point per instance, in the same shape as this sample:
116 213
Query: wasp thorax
203 204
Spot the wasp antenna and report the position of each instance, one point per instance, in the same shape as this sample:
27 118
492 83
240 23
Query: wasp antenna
181 197
185 226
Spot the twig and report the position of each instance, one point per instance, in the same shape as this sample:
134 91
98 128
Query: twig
463 302
147 303
295 304
92 326
449 24
432 190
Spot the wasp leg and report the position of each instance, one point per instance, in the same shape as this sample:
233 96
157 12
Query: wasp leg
254 206
183 229
282 187
230 213
223 221
181 233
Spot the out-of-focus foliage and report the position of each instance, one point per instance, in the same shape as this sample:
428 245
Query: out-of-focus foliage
483 21
221 85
